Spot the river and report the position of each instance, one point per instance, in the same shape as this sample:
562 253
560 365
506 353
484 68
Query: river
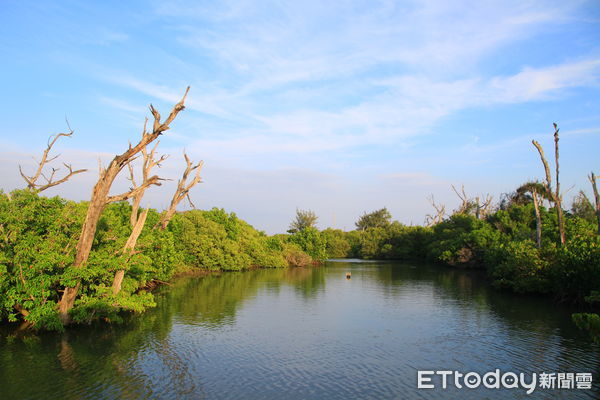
308 333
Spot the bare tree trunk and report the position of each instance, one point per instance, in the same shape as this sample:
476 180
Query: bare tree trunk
137 221
129 250
182 191
100 198
555 196
558 196
538 220
593 179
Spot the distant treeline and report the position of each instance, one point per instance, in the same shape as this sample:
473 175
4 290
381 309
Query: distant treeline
506 242
503 243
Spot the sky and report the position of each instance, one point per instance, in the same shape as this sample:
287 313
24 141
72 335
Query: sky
340 107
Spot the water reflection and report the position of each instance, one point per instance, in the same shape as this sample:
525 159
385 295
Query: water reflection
304 333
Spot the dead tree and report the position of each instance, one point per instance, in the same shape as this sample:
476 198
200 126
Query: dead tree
32 181
100 198
556 195
482 209
468 205
182 191
593 179
137 220
465 206
440 213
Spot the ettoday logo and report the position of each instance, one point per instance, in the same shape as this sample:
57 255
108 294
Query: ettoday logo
507 380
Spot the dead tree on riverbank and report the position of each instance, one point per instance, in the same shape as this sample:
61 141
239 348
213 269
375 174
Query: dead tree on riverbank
100 198
440 213
593 179
137 220
182 191
476 206
32 181
555 195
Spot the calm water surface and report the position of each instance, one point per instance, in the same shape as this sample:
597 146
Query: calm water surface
306 333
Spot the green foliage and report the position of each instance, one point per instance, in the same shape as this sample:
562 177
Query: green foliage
37 241
396 241
589 323
582 207
410 242
38 236
337 246
576 270
296 257
462 240
520 267
215 240
312 242
376 219
372 242
516 222
304 220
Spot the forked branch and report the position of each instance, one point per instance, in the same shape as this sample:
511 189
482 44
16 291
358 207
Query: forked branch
469 205
32 181
440 213
183 189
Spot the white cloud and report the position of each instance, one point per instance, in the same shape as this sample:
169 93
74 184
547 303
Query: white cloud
534 84
411 106
309 77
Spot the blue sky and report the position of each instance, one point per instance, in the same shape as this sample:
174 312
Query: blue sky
340 107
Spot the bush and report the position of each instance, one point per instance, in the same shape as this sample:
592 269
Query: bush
576 272
337 246
312 242
522 268
589 323
462 240
216 240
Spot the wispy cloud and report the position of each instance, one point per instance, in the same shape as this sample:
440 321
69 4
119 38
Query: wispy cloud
541 83
401 107
310 77
379 94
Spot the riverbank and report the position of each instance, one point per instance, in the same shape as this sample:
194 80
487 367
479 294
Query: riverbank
37 251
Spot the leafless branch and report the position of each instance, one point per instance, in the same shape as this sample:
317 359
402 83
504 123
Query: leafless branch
32 181
440 213
183 188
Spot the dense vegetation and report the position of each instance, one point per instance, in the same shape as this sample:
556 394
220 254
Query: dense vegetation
38 236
